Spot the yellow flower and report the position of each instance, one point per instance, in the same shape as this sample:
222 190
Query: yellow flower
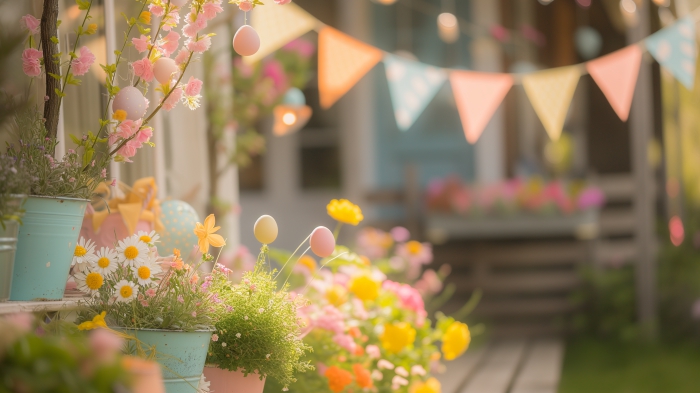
97 322
309 262
206 234
414 247
337 295
397 336
432 385
365 288
119 115
455 340
345 211
145 17
91 29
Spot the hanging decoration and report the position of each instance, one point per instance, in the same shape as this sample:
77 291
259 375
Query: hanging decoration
550 92
674 48
279 25
292 114
342 62
478 95
616 75
246 42
412 86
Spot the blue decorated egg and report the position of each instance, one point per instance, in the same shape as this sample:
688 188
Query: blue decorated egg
179 219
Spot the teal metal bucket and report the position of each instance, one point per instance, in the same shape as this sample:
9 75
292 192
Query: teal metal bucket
181 354
45 247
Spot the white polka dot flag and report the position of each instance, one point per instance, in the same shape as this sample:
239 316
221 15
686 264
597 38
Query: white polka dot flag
550 92
478 95
412 86
675 49
616 75
277 25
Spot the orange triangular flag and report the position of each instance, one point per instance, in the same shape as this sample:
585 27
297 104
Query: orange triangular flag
478 95
616 75
342 62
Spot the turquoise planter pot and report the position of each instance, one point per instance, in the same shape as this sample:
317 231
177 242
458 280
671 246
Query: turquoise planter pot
181 355
45 247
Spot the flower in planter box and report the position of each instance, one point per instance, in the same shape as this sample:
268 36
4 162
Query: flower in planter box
84 255
131 251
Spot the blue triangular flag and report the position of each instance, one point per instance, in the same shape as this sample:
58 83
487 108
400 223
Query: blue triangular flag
674 48
412 86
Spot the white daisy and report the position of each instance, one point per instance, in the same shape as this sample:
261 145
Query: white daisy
126 291
148 238
131 251
106 261
84 255
145 271
89 282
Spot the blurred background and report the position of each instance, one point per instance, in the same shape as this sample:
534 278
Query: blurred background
580 229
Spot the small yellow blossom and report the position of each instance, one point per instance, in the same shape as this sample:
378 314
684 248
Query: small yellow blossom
207 236
337 295
145 17
119 115
414 247
397 336
97 322
432 385
365 288
345 211
91 29
309 262
455 340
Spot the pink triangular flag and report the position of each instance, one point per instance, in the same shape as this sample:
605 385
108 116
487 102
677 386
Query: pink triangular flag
478 95
616 75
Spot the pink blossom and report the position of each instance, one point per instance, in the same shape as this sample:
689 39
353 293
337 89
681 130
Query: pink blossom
283 2
273 69
417 369
113 183
591 197
22 321
243 68
345 341
215 337
144 135
180 299
194 314
321 368
150 292
209 10
200 46
409 298
105 344
170 44
173 99
397 382
103 174
303 47
182 56
401 371
172 19
373 351
127 128
30 23
129 149
429 283
82 63
141 44
143 69
245 5
30 62
195 25
400 234
331 319
373 243
194 86
385 364
156 10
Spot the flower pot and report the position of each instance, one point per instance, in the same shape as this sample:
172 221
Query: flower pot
45 247
8 246
180 354
225 381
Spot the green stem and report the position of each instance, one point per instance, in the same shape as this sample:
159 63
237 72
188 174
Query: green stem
75 45
336 231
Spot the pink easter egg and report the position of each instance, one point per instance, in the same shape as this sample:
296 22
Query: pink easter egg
322 242
130 100
165 69
246 42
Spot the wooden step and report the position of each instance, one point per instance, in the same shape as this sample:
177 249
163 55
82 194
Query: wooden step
615 252
541 370
498 369
523 307
617 221
537 254
521 282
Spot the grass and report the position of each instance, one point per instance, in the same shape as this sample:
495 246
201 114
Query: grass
592 366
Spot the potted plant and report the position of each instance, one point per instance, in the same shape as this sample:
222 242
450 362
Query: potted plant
60 195
14 185
257 332
162 302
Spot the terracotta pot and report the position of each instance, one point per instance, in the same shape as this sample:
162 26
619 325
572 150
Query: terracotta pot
225 381
145 375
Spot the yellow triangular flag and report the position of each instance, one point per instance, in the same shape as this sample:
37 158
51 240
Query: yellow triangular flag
550 93
277 25
131 212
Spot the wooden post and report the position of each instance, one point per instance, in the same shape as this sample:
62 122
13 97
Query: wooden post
641 130
49 17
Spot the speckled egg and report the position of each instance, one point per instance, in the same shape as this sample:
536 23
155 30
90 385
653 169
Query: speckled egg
179 219
130 100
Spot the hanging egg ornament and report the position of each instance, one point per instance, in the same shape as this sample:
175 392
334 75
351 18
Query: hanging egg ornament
322 242
130 100
294 97
178 3
265 229
246 42
163 70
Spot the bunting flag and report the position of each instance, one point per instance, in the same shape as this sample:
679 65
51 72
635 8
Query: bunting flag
550 93
278 25
675 49
478 95
616 75
342 62
412 86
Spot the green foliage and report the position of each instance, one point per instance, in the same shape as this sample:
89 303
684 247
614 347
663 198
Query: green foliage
16 179
257 327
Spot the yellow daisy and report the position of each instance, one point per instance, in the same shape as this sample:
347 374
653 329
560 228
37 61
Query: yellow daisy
145 272
89 282
84 255
131 251
125 291
106 261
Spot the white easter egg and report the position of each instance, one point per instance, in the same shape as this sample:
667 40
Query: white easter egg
265 229
165 69
130 100
246 42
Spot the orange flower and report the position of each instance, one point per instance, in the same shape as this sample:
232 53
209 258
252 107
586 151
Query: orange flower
359 351
207 236
354 332
338 378
362 376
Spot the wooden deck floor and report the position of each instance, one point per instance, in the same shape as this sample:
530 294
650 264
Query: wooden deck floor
507 366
